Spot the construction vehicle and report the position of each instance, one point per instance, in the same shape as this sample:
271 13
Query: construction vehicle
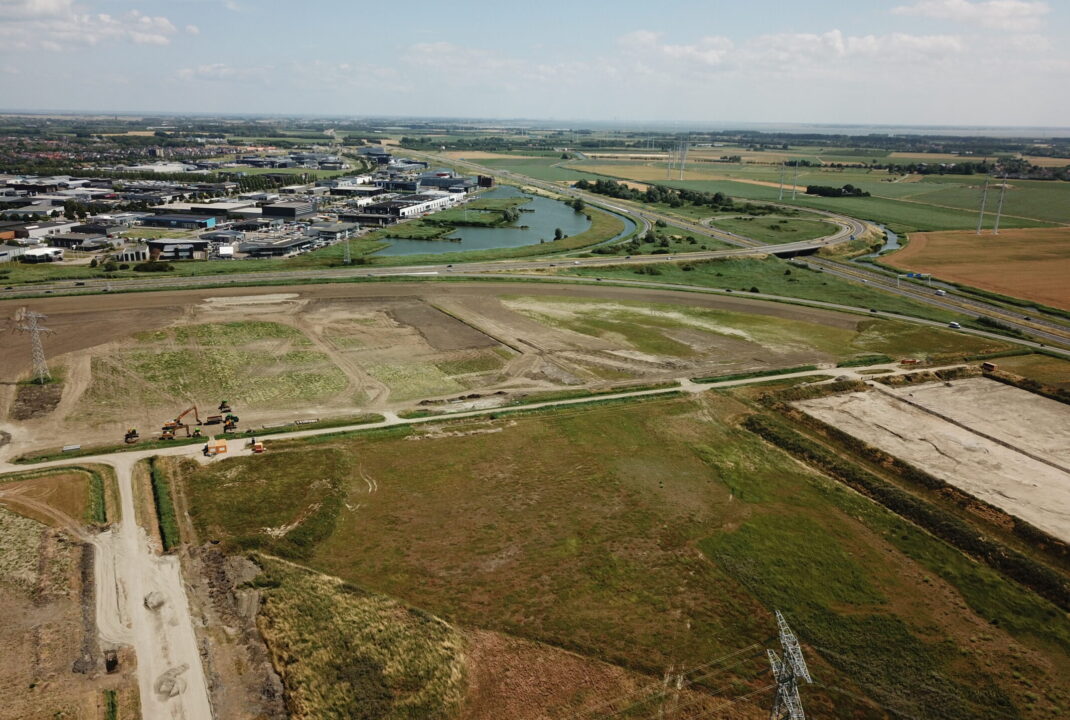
213 420
172 426
224 406
167 434
196 432
131 436
231 418
230 426
256 446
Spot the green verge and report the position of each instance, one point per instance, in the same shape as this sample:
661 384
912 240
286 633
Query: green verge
867 360
165 506
111 705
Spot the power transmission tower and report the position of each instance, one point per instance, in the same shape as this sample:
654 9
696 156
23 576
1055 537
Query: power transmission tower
984 201
999 210
781 196
683 158
786 704
29 322
347 258
794 179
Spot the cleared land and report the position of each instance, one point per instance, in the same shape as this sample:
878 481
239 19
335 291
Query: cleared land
1031 482
642 535
1033 264
340 350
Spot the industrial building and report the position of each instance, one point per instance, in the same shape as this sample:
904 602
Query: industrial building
178 248
293 210
43 254
277 247
183 222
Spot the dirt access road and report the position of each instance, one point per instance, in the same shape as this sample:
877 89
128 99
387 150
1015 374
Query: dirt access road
128 572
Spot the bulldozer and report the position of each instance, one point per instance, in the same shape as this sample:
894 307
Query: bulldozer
131 436
224 406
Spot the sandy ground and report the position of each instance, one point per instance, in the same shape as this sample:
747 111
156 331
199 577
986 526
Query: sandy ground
1027 421
127 570
1006 478
1031 263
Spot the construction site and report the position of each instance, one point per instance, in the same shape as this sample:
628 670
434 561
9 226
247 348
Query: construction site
448 500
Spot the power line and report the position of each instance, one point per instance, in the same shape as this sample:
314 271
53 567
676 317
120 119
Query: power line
984 201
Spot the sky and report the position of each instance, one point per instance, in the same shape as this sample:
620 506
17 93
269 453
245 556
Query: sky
904 62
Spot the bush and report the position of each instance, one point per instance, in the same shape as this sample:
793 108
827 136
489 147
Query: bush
154 266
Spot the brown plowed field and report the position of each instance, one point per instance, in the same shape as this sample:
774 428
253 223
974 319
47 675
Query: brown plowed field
1032 263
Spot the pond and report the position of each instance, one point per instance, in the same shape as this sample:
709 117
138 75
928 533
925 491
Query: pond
541 216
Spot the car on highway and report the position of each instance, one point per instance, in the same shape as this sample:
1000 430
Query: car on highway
575 262
954 325
941 292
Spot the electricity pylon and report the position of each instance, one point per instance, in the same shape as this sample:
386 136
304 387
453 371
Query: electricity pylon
984 201
787 705
27 321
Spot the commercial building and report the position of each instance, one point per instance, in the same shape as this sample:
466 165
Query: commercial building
293 210
333 231
178 248
80 241
278 247
43 254
10 252
183 222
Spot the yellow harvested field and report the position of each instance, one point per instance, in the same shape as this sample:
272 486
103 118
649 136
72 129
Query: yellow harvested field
1032 264
481 155
1041 161
656 174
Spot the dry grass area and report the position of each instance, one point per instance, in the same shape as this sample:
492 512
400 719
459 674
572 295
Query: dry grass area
346 653
1042 368
1032 264
50 665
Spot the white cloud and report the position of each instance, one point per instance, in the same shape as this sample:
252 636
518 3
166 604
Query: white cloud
1008 15
193 30
60 24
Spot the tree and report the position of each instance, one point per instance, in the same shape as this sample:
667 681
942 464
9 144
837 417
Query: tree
558 234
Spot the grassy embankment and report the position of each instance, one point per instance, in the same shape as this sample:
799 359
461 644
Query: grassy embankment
671 551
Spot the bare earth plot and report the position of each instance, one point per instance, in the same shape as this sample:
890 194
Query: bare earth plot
1012 480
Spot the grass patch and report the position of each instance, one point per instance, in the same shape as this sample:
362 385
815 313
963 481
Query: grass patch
865 360
775 277
111 705
776 230
593 529
165 506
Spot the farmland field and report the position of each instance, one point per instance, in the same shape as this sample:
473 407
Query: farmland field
933 203
1042 368
646 535
1030 264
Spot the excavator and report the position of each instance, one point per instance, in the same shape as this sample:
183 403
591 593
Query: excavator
169 428
230 423
224 406
131 436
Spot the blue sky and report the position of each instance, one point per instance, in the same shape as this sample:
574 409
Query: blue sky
931 62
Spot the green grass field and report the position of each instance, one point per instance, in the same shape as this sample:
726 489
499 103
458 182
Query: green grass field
776 230
772 276
645 535
257 364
